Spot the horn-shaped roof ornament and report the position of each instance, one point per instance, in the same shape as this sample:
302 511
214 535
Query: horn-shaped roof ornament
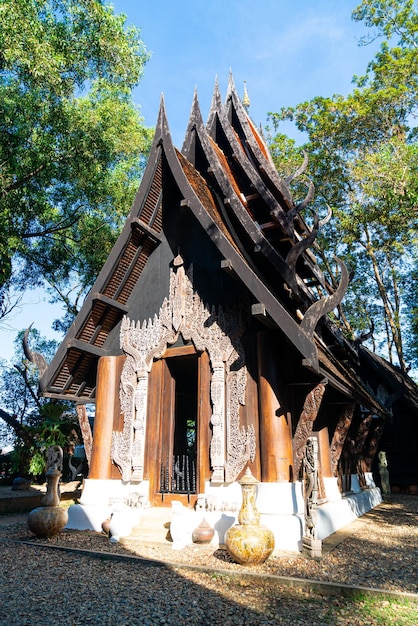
326 304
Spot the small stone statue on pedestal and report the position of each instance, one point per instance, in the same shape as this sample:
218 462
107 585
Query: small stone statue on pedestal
311 545
384 474
49 519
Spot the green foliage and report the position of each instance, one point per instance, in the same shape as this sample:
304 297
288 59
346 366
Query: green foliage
32 424
51 427
72 143
376 610
364 163
411 298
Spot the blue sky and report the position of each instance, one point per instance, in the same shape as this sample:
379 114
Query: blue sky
287 52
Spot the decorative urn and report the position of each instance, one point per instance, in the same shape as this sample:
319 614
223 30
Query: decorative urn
249 542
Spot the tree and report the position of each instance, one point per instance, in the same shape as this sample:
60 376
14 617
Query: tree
364 162
31 423
72 143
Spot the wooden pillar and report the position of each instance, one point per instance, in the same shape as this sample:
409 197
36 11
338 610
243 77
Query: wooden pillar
203 420
275 422
340 435
107 414
371 451
324 456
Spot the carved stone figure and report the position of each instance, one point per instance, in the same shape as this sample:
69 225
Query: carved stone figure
310 475
384 473
49 519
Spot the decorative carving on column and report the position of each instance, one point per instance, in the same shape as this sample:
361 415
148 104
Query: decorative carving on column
214 330
310 543
340 435
357 446
305 425
85 428
240 442
369 455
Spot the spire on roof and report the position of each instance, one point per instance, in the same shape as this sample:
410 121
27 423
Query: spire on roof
246 100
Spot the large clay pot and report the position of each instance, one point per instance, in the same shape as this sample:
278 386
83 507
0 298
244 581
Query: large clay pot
249 542
46 521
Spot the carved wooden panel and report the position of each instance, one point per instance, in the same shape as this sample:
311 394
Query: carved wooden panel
84 423
340 435
370 453
305 425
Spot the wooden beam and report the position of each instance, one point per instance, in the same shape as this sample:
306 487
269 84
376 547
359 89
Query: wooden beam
114 304
86 348
259 311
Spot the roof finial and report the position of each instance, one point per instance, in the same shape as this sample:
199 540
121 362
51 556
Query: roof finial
246 100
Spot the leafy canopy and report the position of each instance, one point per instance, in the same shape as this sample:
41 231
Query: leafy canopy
364 162
72 143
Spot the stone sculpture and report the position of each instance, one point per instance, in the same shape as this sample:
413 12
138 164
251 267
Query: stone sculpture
49 519
384 474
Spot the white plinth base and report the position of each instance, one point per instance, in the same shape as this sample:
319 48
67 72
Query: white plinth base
280 506
104 498
334 515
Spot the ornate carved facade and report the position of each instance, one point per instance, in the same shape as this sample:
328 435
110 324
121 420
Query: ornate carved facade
212 329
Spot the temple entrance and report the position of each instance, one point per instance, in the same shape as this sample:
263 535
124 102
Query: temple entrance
179 447
179 433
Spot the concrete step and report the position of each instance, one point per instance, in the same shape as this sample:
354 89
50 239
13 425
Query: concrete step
154 525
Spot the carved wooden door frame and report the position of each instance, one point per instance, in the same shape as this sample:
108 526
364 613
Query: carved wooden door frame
160 427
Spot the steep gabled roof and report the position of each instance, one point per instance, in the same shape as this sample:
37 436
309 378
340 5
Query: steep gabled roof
225 177
273 237
72 372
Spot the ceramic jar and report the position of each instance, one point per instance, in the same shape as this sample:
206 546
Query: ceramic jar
203 533
249 542
46 521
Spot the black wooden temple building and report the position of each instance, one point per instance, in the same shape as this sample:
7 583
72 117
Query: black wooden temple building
206 345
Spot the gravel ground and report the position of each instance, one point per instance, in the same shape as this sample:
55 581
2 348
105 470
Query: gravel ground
41 586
